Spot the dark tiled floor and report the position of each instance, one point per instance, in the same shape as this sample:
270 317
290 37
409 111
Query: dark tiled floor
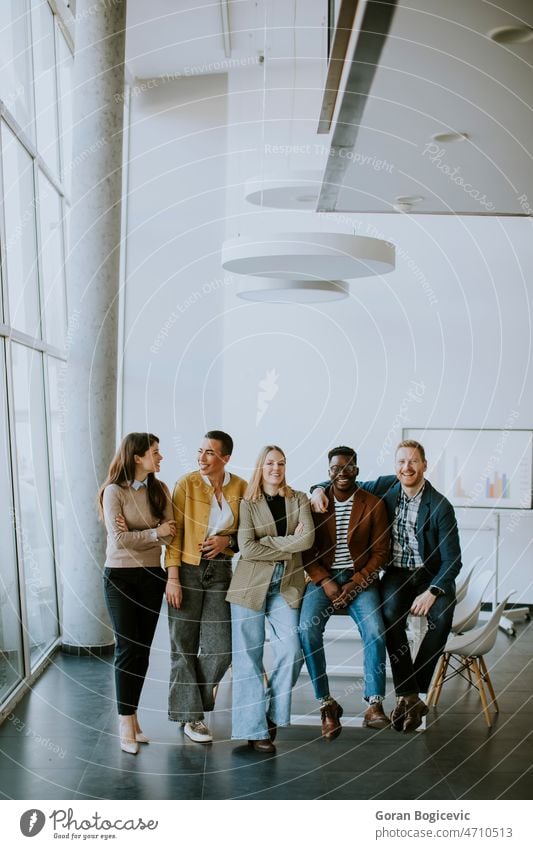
61 743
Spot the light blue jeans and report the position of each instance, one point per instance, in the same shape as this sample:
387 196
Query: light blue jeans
365 610
252 700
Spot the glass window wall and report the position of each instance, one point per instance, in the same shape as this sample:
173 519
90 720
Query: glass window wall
11 659
20 235
35 520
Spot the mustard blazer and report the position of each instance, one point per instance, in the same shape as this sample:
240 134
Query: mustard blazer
261 548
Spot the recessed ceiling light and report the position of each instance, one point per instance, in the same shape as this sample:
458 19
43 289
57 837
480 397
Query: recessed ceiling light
511 35
409 199
445 138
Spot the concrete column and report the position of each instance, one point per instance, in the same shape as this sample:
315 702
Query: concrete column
93 285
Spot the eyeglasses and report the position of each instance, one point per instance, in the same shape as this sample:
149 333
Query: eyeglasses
349 467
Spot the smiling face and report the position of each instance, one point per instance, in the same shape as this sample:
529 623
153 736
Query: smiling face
273 471
148 463
343 473
211 460
410 468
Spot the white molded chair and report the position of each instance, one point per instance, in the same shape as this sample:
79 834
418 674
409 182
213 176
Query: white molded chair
466 613
464 579
464 655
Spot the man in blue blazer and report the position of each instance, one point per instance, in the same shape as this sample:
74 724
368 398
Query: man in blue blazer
419 578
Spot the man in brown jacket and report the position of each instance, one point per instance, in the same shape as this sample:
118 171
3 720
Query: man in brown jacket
352 545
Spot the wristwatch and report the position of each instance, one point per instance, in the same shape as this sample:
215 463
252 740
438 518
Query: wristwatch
232 542
436 591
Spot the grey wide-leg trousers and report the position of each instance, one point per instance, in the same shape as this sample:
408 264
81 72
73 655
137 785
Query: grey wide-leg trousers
200 639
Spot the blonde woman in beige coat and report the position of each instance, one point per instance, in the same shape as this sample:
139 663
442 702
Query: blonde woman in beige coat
275 526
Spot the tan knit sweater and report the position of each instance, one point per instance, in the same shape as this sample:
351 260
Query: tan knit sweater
137 546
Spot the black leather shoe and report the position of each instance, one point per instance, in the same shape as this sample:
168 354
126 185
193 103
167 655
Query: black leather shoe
265 746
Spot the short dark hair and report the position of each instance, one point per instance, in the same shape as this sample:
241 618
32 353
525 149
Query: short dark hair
224 438
342 451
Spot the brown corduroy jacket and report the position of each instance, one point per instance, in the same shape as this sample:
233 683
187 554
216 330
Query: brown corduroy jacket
369 539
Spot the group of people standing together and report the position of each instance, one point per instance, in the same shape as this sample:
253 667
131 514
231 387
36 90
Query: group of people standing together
381 550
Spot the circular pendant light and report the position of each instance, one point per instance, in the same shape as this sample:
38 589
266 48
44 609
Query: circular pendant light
294 291
308 256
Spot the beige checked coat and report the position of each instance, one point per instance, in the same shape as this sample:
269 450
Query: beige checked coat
261 548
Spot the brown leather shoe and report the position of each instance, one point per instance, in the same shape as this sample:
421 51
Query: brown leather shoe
330 715
265 746
272 729
397 716
416 711
375 717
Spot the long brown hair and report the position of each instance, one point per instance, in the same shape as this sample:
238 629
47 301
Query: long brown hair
122 471
254 490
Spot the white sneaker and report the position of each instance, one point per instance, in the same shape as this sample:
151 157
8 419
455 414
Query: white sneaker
198 731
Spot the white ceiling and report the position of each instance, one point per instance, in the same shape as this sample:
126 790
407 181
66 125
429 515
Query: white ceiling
438 71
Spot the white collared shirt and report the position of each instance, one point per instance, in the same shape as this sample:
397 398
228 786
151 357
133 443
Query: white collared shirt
137 484
220 516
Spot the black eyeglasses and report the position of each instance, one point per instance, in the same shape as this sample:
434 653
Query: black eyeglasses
349 467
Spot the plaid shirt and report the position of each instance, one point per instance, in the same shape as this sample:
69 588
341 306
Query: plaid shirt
405 553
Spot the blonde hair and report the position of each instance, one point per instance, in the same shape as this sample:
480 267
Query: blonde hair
254 490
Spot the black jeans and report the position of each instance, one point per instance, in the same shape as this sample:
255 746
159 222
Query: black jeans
133 597
399 588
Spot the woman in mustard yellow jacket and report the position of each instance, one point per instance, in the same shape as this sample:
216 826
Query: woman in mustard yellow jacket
198 562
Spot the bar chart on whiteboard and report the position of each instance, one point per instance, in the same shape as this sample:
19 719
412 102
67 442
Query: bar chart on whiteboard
480 468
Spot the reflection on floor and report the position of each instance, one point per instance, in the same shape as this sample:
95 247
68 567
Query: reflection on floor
60 743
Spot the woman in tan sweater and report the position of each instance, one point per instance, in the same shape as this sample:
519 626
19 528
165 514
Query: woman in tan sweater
137 511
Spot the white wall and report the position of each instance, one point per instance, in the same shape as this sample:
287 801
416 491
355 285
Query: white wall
173 301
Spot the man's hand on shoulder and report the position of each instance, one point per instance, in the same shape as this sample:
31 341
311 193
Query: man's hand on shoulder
319 500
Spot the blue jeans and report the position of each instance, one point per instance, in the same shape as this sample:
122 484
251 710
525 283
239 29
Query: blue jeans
252 700
365 612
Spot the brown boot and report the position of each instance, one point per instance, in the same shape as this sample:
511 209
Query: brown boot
264 746
416 711
397 716
330 715
375 717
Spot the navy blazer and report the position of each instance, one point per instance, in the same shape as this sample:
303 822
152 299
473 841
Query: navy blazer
436 529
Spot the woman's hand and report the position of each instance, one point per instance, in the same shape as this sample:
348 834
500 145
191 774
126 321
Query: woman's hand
120 522
174 592
299 529
167 529
213 546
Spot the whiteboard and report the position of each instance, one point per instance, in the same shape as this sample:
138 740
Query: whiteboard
479 468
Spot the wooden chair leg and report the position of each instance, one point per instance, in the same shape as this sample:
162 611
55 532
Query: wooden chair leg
488 682
481 688
436 679
446 660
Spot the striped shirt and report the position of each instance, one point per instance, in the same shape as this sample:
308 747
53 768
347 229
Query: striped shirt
405 553
343 510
